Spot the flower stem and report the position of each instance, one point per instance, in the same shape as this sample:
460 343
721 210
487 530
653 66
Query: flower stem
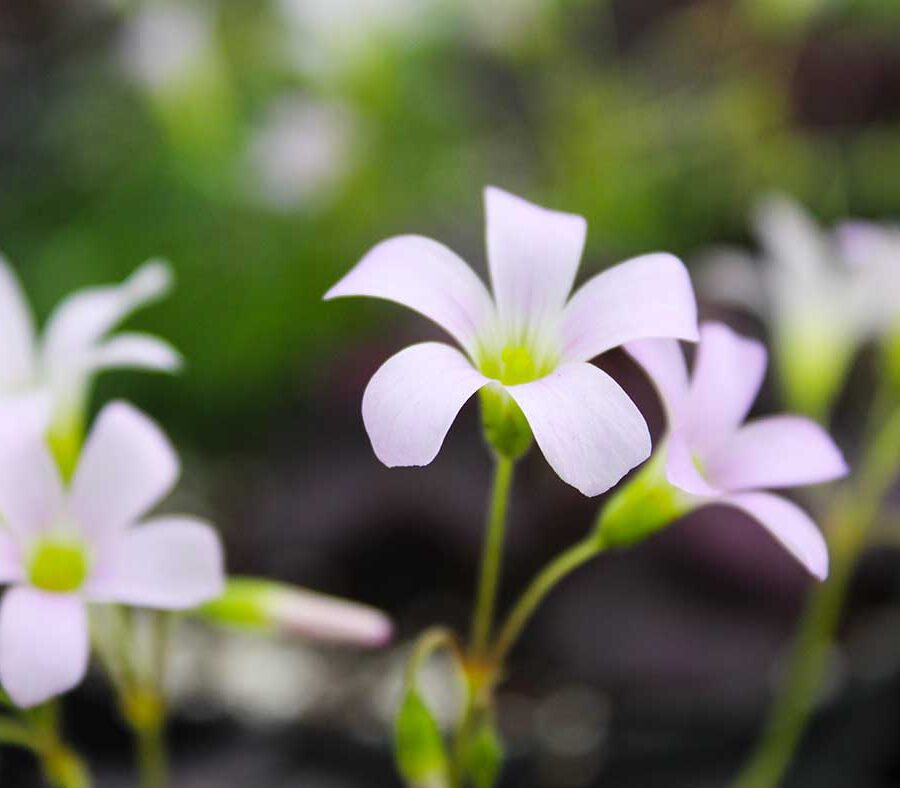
848 530
152 761
491 556
550 575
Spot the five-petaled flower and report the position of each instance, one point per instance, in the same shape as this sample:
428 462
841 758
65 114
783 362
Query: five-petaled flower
529 345
54 372
63 547
716 458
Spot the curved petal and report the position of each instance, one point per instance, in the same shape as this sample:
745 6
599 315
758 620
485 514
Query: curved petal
17 351
31 490
43 644
85 317
643 298
134 351
590 432
25 415
12 568
127 466
789 524
663 361
778 451
728 374
682 471
427 277
413 399
170 563
533 255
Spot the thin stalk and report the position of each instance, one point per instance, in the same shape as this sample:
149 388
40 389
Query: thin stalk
492 556
540 587
151 750
848 533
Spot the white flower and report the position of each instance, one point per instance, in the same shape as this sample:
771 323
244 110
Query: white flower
50 375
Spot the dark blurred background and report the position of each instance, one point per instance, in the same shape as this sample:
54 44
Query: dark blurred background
263 147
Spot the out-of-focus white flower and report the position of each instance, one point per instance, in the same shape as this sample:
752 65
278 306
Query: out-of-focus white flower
61 548
52 373
165 43
503 24
823 293
301 152
329 36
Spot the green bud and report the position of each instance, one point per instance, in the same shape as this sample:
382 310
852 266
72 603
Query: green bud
483 756
647 504
505 426
246 604
418 745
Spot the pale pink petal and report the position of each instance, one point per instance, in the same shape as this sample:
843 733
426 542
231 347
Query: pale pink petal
24 415
533 255
43 644
413 399
590 432
134 351
12 569
17 350
728 373
791 237
31 490
427 277
778 451
789 524
127 466
313 615
663 361
86 316
682 470
170 563
647 297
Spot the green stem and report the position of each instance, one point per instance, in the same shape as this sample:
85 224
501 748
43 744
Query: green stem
847 537
491 556
556 570
152 761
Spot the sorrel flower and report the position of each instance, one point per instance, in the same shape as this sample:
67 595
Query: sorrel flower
62 548
527 348
824 293
74 346
714 457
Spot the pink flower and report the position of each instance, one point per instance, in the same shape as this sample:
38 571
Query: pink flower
717 458
529 342
61 548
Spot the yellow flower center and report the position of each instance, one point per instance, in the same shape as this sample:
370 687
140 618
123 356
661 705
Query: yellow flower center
514 364
58 564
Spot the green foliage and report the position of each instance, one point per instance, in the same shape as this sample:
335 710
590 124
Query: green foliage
483 757
418 746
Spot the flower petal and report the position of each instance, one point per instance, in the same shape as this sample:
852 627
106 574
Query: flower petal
646 297
413 399
12 569
681 469
43 644
127 466
17 351
590 432
31 490
297 611
170 563
427 277
533 255
789 524
791 238
778 451
663 361
24 415
728 373
134 351
83 319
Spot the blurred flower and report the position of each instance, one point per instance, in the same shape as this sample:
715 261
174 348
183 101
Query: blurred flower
260 605
74 346
62 548
328 37
715 458
822 303
301 153
527 344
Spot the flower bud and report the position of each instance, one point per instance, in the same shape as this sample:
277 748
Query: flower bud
258 605
505 427
418 745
